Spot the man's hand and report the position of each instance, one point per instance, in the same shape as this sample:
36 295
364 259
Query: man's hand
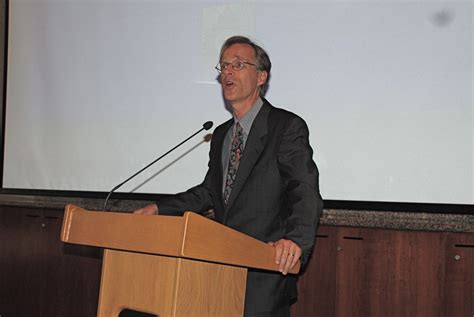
287 254
151 209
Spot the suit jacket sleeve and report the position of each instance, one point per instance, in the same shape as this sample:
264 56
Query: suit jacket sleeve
199 198
300 176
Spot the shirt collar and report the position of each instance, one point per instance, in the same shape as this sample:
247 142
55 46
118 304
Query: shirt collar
247 120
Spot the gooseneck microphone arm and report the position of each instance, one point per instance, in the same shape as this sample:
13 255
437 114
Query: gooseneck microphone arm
205 126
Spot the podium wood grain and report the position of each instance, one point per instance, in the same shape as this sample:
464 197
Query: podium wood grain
190 236
168 266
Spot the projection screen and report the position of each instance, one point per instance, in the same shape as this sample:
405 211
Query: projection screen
97 89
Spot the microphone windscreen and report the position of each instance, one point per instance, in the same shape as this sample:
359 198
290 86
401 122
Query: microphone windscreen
207 125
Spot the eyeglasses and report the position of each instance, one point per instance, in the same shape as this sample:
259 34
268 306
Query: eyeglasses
236 65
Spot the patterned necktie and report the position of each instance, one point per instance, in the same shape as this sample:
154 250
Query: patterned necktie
236 150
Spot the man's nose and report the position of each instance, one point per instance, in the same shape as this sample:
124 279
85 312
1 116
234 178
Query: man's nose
228 70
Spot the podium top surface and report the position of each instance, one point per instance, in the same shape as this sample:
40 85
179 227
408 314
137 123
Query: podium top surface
189 236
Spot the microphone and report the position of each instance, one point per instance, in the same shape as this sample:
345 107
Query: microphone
206 126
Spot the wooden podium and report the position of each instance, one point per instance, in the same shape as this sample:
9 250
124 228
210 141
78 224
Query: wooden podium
168 266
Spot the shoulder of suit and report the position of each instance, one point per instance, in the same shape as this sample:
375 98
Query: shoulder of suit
280 114
276 116
223 127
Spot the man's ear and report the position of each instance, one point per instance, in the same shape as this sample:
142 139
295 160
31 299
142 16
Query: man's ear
262 78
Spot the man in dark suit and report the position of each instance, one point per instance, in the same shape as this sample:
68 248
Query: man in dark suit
261 180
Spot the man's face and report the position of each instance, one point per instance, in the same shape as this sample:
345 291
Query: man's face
241 86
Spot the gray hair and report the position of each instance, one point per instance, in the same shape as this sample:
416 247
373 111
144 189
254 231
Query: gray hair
262 58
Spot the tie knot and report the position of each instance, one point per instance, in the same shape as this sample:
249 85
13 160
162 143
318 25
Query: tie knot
238 128
238 133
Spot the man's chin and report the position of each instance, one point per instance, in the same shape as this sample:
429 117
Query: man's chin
229 97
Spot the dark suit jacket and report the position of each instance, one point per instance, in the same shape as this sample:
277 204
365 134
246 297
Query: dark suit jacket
275 195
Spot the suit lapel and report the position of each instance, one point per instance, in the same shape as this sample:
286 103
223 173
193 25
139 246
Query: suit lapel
219 141
253 148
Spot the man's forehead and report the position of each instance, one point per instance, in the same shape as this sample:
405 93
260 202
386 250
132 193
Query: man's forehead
238 50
